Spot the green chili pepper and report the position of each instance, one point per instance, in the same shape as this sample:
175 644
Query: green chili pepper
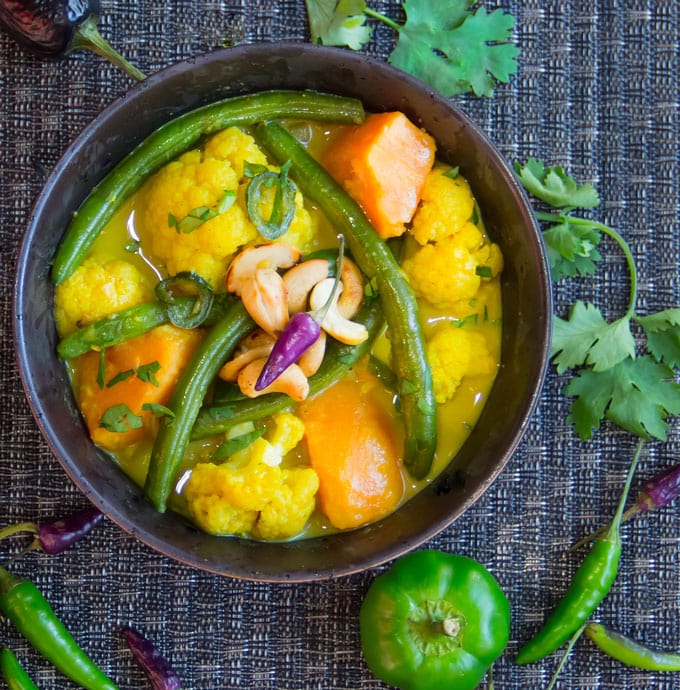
283 207
135 321
591 583
174 138
629 652
186 400
194 284
13 672
375 259
433 621
28 610
217 419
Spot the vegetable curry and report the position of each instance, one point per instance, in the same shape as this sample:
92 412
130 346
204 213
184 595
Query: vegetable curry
222 250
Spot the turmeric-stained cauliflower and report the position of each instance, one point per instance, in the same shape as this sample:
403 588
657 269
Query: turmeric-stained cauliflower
97 288
177 191
453 353
446 204
251 494
448 273
210 184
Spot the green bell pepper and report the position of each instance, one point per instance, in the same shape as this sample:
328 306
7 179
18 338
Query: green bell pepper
434 620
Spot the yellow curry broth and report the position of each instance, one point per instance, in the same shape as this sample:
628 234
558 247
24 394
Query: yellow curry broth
456 417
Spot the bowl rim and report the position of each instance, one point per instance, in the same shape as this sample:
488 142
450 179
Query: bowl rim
151 538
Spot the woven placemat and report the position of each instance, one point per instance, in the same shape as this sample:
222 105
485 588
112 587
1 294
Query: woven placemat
597 92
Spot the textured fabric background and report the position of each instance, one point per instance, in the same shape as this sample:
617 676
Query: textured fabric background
596 91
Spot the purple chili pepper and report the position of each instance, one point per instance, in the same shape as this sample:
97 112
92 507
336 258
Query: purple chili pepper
55 537
657 492
161 674
300 333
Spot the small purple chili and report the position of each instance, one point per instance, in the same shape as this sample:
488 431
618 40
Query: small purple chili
657 492
301 332
160 673
55 537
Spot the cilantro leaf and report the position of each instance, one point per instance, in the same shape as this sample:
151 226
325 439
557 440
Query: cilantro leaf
158 410
233 445
119 419
338 23
586 338
453 49
555 187
663 335
636 395
572 249
147 372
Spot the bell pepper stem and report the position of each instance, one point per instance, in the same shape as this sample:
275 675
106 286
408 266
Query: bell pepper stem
451 627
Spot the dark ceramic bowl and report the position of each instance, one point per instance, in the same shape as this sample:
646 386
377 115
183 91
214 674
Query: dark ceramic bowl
526 305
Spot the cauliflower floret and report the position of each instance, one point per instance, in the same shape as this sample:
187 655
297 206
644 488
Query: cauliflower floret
446 205
448 273
454 353
251 494
235 146
189 183
197 182
97 288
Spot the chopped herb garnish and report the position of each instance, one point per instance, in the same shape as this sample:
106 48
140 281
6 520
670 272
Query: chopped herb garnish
233 445
120 376
201 214
453 173
251 170
119 419
101 368
158 410
470 319
132 247
484 271
146 372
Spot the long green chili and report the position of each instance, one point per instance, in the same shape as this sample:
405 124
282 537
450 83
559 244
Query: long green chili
591 583
186 400
400 307
632 653
219 418
175 137
135 321
13 672
31 614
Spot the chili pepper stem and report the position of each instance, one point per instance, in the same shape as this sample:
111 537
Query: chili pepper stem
613 532
565 656
87 37
627 515
11 530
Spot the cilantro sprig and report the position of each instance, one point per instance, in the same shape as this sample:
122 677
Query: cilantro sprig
451 46
633 384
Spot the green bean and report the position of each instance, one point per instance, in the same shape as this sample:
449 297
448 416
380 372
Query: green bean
400 307
174 138
632 653
589 586
217 419
130 323
186 400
